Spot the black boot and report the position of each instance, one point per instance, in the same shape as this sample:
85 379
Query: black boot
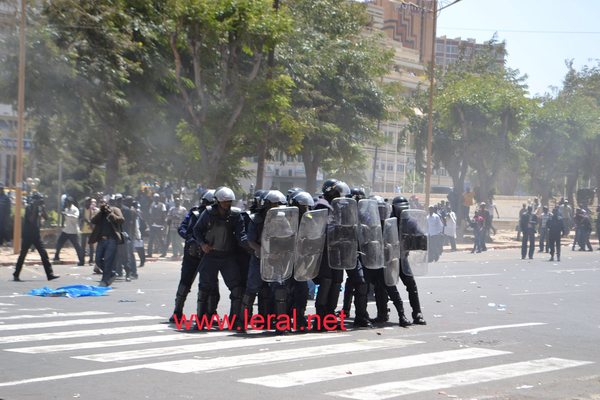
321 302
348 294
202 308
264 299
281 307
418 319
236 309
332 299
361 320
180 297
402 321
381 299
247 305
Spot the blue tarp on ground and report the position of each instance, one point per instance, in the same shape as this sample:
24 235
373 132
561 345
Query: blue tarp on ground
70 291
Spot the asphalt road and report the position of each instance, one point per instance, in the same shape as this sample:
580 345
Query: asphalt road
498 328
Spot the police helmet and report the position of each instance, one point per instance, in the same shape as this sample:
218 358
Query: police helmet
208 198
255 202
224 194
399 204
357 193
382 206
292 192
332 188
274 197
303 199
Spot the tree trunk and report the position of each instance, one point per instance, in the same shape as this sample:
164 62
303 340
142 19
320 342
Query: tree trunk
112 166
571 183
260 165
311 168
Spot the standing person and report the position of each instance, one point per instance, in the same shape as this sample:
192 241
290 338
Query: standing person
107 234
70 231
87 212
435 231
528 223
139 231
598 225
30 236
477 224
175 216
192 254
400 204
128 230
556 229
586 232
522 211
217 231
450 228
487 223
468 201
4 216
157 214
543 228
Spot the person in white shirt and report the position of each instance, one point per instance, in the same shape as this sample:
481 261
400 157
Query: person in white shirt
435 231
450 228
70 231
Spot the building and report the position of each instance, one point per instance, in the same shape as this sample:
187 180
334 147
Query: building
448 51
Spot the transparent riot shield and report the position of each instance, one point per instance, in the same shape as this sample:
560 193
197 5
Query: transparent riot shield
391 246
342 241
278 244
310 243
414 242
370 236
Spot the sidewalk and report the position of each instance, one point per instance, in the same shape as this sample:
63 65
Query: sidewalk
68 256
502 240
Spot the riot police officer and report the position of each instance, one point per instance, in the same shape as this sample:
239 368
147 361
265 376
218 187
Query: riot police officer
191 254
400 204
329 279
218 231
382 290
254 284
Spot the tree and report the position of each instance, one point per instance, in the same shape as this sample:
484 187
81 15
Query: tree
219 51
337 67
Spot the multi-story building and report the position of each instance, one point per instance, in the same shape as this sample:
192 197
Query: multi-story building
448 51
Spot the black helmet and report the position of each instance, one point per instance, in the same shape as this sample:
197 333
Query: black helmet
256 201
382 206
332 188
357 193
303 199
292 192
399 204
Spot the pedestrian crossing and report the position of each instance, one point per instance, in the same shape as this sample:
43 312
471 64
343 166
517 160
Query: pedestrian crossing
345 365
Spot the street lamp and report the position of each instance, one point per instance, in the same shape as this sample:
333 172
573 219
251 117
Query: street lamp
431 89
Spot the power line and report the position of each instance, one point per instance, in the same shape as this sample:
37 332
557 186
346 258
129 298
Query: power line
523 31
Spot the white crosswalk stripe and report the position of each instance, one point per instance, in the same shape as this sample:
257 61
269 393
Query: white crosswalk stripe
460 378
56 315
369 367
203 347
211 364
90 321
315 360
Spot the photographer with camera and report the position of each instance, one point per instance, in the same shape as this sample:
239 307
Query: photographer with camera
107 234
34 213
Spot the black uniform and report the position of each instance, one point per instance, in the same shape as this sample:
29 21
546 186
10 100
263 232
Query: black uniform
34 212
556 229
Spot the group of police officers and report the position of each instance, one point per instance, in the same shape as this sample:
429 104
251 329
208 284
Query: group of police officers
272 251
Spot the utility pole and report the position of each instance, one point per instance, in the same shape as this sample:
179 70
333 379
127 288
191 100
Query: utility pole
20 133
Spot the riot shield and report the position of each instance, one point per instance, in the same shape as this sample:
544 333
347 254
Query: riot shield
370 236
342 242
391 244
414 242
278 244
310 243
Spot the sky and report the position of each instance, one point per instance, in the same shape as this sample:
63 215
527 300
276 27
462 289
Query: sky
539 34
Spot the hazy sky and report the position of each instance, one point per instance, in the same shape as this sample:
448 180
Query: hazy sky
539 34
